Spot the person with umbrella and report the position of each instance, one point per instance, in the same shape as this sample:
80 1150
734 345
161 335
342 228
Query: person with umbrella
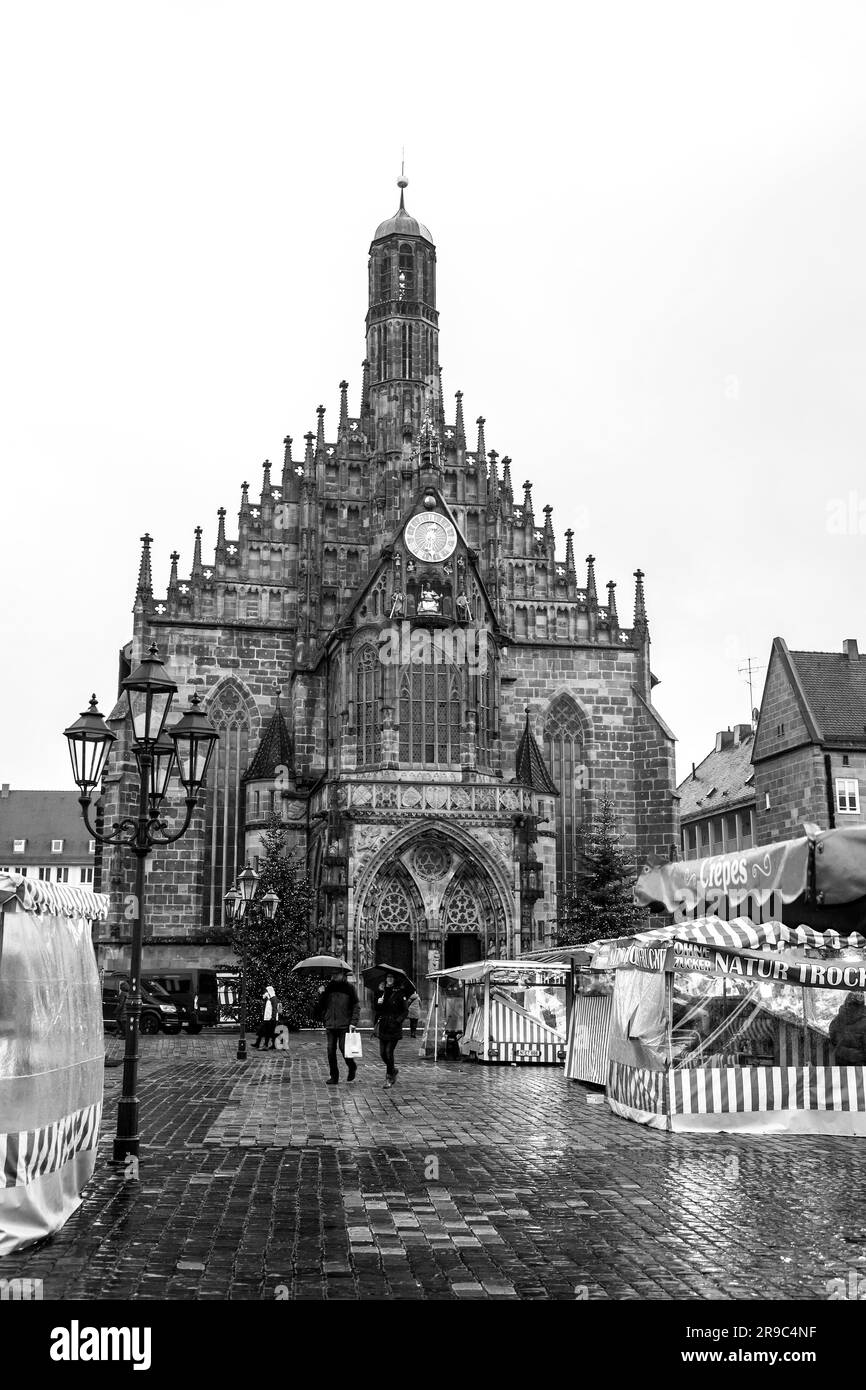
390 1011
339 1009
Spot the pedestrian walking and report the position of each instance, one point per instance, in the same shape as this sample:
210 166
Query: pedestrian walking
414 1007
121 1011
268 1028
390 1013
339 1008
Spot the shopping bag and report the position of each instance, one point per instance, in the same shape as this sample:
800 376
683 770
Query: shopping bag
353 1046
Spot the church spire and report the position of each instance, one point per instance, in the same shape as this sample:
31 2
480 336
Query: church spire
493 499
172 579
221 534
591 592
528 514
365 387
288 479
144 588
570 571
549 538
267 491
640 617
611 603
344 409
507 489
196 554
482 447
320 431
459 427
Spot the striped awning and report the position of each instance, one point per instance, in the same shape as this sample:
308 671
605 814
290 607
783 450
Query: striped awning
743 934
61 899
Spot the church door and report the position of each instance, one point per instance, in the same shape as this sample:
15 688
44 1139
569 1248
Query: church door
395 948
461 948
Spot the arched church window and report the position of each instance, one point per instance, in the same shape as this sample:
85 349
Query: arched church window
395 908
564 748
225 803
406 351
367 707
430 714
385 278
406 273
484 694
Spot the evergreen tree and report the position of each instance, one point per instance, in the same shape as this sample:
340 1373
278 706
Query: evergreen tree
272 948
599 902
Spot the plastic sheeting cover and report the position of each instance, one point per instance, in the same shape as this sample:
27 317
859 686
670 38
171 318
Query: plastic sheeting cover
51 1071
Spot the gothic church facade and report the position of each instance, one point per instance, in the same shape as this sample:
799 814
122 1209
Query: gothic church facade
399 662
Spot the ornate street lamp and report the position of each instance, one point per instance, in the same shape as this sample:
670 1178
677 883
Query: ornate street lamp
149 691
239 901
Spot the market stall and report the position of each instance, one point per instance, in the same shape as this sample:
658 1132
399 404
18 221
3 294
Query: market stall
52 1054
513 1011
738 1026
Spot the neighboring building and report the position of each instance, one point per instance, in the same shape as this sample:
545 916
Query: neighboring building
455 701
717 799
42 835
810 744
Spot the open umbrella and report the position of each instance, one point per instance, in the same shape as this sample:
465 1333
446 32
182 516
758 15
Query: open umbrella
375 974
322 965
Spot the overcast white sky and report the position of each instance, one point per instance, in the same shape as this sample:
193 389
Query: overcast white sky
652 259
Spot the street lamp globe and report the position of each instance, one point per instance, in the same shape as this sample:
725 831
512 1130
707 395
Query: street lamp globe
270 902
89 740
248 882
231 902
149 692
161 768
194 738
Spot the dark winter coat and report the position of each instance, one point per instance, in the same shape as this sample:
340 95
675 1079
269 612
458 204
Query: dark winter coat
848 1034
391 1012
339 1005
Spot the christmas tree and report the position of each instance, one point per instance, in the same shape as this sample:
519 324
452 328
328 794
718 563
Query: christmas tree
599 901
272 948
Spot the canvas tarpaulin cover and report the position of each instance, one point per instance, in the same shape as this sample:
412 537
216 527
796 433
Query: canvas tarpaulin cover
637 1046
781 869
51 1055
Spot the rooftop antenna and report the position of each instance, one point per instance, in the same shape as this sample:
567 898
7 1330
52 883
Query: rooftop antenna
750 670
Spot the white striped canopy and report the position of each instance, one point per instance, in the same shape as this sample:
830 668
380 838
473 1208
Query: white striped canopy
743 934
61 899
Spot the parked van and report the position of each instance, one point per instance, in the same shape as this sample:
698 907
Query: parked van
158 1012
194 991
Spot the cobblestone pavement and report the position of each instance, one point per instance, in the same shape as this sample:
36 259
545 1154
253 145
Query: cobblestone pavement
259 1181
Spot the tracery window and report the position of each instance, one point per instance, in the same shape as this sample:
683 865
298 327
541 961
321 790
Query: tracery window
566 760
406 275
367 707
430 714
225 804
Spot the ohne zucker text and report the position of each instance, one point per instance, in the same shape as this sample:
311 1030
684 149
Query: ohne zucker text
402 645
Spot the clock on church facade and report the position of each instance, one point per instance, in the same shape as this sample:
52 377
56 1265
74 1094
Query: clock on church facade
405 664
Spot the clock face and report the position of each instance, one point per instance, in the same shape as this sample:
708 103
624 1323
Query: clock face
431 537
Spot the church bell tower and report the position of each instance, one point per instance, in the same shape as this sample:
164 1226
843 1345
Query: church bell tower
402 332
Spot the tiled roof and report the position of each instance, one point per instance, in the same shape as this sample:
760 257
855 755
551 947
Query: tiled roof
835 688
531 767
40 817
721 781
274 750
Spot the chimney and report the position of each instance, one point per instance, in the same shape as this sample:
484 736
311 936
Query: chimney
724 739
742 732
4 791
849 649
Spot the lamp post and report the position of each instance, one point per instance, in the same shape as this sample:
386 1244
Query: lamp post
187 748
238 902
